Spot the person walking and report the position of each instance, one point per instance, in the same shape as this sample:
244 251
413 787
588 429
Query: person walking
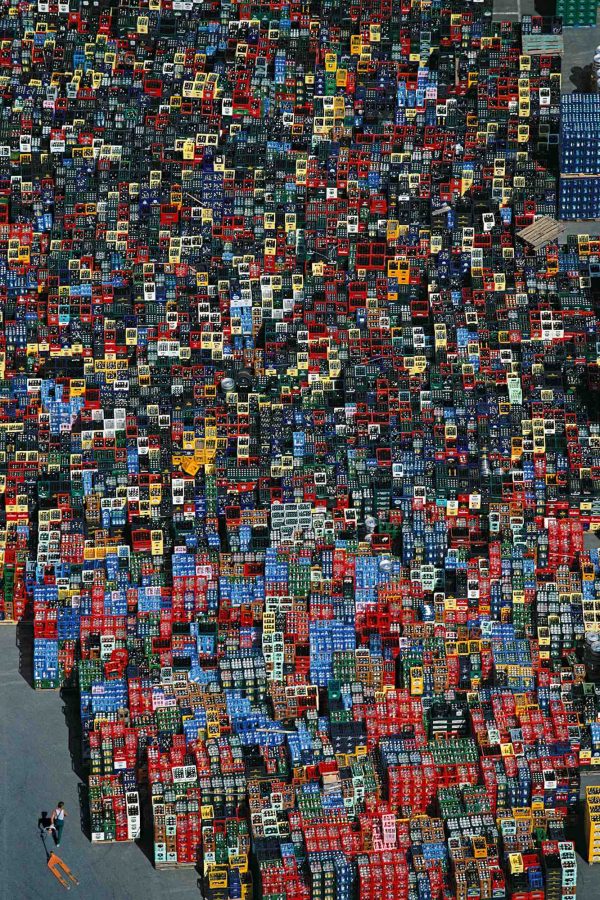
57 821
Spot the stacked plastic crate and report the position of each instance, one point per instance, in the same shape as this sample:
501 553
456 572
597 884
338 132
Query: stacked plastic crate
579 189
592 823
577 12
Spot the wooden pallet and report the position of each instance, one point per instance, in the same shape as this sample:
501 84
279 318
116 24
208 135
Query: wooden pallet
543 44
574 175
542 232
102 840
174 865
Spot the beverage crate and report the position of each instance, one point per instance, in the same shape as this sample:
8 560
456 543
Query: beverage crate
579 197
591 820
114 807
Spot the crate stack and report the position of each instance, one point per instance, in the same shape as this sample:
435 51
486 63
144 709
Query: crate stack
591 617
410 778
560 868
579 191
574 13
114 808
590 753
176 813
280 875
592 823
45 663
14 542
225 857
331 875
473 841
383 875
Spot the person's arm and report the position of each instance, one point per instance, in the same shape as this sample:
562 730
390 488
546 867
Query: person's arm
52 817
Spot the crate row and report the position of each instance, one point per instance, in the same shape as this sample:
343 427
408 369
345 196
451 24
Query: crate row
592 823
579 197
114 804
579 161
224 756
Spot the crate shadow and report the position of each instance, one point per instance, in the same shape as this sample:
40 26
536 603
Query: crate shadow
70 699
146 842
576 831
71 712
545 7
581 77
24 643
84 809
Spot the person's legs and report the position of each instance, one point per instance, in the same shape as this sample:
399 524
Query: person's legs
59 829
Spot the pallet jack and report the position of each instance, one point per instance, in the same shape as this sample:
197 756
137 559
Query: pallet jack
57 866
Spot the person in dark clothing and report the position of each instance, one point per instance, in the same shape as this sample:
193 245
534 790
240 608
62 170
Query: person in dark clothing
57 821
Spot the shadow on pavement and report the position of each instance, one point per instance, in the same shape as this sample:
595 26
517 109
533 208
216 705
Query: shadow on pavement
70 698
146 842
545 7
581 77
84 810
71 712
24 642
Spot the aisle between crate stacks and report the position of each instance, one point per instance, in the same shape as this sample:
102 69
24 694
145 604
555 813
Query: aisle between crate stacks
511 10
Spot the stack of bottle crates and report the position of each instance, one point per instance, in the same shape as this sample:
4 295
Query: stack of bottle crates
579 192
592 823
177 820
45 663
114 804
560 868
577 12
226 853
